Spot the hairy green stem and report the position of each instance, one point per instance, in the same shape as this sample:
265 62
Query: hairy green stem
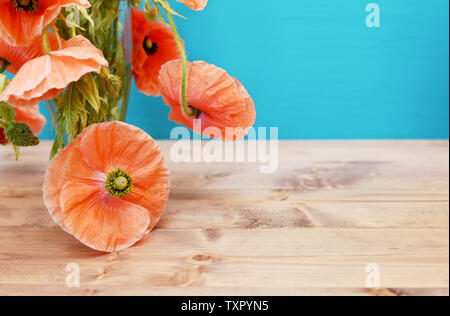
186 110
73 30
125 87
45 42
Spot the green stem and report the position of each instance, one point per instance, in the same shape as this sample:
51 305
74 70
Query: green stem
58 37
45 42
186 110
73 31
127 74
124 107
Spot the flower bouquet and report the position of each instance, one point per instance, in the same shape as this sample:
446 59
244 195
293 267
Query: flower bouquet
106 183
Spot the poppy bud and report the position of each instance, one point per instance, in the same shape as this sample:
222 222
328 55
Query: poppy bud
113 82
150 12
136 3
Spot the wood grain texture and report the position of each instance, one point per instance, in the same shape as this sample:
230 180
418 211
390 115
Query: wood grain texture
311 228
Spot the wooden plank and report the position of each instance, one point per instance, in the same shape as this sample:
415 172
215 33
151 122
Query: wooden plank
311 228
358 171
137 290
408 258
208 214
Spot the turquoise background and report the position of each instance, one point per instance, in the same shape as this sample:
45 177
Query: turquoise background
316 71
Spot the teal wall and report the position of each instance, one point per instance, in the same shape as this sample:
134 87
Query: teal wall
316 71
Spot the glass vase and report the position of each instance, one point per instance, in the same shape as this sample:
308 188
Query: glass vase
116 43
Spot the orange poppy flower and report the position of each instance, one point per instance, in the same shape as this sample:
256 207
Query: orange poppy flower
30 115
17 56
22 21
153 46
109 187
45 77
221 101
196 5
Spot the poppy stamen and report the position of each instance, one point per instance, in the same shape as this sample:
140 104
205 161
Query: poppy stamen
194 112
25 5
118 183
150 47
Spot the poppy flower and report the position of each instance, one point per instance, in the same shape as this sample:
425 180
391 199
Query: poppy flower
196 5
153 46
23 20
45 77
30 115
219 100
109 187
17 56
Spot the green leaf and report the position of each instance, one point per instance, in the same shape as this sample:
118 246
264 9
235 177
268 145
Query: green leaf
55 148
108 20
158 12
166 6
20 134
87 86
71 106
84 13
58 143
7 113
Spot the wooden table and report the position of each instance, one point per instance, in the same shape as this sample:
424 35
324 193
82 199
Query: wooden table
332 209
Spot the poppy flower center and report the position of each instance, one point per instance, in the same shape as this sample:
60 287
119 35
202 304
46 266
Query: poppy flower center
25 5
118 183
194 112
150 47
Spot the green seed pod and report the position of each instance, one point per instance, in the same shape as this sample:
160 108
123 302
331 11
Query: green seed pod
150 12
136 3
114 85
113 82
